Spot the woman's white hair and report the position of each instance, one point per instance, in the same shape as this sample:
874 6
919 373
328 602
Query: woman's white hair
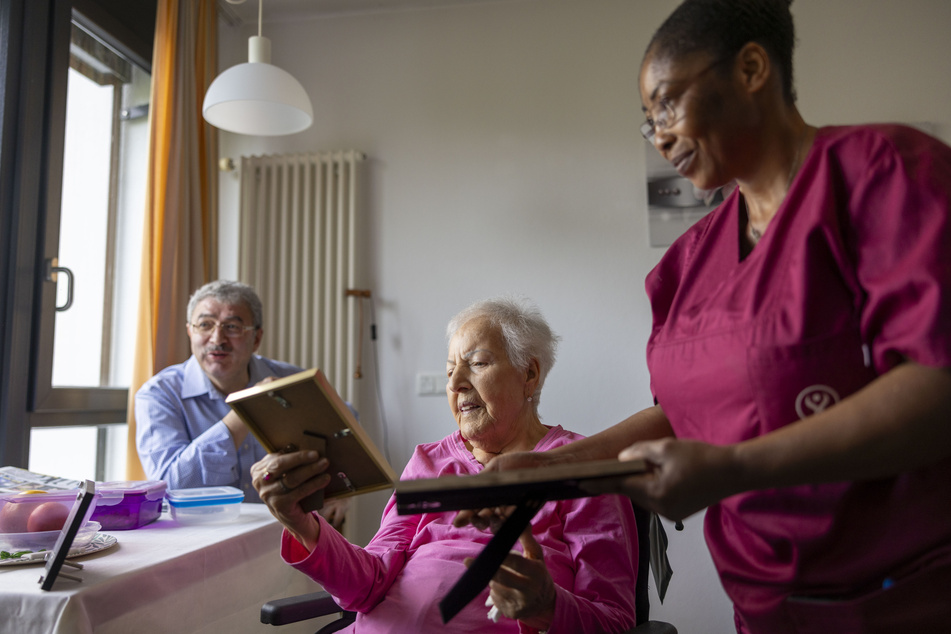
524 330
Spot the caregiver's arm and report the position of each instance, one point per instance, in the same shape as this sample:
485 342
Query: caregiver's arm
897 423
647 424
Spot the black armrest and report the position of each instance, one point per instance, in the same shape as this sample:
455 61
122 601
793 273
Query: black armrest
654 627
309 606
299 608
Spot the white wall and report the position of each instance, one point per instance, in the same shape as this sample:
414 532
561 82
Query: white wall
504 156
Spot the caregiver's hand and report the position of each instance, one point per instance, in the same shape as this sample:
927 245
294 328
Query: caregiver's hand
684 476
283 480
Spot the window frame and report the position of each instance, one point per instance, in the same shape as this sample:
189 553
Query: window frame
80 406
34 63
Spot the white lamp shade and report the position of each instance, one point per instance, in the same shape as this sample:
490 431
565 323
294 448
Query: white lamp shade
257 98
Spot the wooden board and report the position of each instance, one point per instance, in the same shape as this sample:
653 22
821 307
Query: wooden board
303 410
505 488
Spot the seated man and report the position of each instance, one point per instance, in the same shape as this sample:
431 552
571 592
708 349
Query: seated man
186 434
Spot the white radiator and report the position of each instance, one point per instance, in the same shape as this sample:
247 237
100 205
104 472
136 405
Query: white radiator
298 235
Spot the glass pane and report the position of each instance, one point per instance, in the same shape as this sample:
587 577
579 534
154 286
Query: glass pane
83 229
70 452
101 215
130 216
65 452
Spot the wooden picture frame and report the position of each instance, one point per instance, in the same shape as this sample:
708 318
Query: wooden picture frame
303 411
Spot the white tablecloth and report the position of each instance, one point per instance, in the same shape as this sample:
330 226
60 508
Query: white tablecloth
164 577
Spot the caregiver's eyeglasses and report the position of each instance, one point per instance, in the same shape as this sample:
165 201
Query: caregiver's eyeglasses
664 114
206 327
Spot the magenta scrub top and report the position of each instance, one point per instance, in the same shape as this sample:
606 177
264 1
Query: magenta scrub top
852 276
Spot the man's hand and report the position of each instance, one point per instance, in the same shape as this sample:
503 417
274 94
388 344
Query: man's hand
239 431
335 511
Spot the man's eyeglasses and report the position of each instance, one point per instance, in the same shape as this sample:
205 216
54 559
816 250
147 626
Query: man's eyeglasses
230 329
666 114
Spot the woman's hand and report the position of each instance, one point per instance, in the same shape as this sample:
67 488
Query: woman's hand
283 480
523 588
683 477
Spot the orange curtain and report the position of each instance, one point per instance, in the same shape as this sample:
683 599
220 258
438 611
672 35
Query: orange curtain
180 236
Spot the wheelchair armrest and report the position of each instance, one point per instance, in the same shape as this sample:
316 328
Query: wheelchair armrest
654 627
299 608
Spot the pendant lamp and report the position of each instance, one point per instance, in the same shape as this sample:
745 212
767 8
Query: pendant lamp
257 98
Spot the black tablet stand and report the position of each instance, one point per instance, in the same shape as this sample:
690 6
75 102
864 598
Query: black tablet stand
75 521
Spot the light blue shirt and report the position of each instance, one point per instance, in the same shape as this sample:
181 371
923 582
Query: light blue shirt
180 435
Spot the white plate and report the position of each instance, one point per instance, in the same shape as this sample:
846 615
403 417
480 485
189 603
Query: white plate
100 542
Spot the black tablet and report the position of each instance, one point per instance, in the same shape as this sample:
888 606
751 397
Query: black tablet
74 521
507 488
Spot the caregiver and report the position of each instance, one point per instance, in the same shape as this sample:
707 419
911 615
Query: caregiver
801 341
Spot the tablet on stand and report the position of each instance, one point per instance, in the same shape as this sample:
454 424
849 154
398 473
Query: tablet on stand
75 521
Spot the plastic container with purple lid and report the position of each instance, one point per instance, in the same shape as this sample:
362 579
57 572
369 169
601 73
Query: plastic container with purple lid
128 504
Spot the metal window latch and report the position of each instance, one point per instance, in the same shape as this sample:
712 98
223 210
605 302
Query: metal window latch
51 270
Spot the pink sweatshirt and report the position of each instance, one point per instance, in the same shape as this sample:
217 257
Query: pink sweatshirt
397 581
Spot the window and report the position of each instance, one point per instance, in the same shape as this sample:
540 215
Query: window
73 164
100 230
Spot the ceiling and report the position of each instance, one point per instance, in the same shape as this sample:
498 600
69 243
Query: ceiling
246 11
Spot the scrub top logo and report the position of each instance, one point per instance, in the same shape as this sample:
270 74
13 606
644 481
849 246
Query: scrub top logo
814 399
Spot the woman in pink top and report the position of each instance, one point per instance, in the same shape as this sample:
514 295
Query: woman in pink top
576 572
801 341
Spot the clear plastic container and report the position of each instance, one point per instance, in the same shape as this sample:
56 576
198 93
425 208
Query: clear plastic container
34 521
205 505
46 540
129 504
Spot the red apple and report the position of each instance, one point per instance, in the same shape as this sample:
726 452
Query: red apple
49 516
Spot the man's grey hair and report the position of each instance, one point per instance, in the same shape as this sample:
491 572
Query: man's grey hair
228 292
526 334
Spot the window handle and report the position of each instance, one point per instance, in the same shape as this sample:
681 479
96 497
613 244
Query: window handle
51 270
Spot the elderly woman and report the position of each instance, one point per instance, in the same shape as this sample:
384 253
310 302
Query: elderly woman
576 572
801 343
